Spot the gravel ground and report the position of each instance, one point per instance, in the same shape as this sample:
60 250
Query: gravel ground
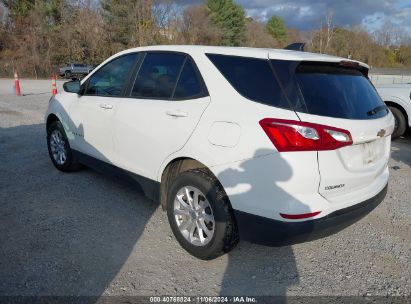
86 234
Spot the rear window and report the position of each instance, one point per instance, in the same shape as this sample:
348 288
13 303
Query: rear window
253 78
327 89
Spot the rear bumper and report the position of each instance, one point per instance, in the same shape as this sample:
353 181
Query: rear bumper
265 231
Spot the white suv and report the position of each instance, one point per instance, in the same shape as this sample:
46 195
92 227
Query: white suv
269 146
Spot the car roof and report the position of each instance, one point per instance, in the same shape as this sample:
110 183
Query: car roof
264 53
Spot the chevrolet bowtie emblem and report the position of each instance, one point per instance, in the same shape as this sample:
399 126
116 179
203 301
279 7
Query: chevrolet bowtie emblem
381 133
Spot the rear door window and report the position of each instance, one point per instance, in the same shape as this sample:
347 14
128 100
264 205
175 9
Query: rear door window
189 84
253 78
158 75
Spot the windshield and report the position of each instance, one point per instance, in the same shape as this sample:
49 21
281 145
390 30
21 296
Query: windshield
327 89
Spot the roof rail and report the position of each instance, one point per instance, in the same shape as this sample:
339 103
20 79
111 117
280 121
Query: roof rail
296 46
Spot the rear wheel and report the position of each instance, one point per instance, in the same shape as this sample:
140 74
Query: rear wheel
400 122
200 215
59 148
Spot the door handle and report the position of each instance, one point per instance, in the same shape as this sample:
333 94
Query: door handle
106 106
177 113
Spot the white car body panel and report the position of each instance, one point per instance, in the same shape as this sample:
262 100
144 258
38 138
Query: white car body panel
146 132
399 94
274 183
92 118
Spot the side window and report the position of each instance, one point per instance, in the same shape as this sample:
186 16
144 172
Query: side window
253 78
158 75
285 70
188 84
110 79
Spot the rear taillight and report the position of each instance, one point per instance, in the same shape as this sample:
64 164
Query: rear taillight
292 135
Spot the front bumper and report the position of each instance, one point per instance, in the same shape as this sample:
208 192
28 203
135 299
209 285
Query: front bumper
265 231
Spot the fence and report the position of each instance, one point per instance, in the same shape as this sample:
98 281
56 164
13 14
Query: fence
390 76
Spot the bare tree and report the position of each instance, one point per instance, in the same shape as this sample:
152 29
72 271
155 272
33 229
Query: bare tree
330 29
197 27
257 36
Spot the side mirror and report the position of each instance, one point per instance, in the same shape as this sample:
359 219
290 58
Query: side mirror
72 86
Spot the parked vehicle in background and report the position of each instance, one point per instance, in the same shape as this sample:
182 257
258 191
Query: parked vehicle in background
270 146
398 98
76 70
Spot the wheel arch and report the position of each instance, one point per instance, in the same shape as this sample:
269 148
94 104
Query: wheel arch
399 107
175 167
50 119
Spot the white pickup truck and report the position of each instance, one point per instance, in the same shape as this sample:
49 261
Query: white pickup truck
398 98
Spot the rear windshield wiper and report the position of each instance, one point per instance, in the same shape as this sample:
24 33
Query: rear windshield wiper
376 110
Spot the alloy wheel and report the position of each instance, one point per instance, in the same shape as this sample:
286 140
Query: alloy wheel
194 216
58 147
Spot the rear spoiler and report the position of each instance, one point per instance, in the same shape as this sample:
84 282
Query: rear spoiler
300 46
296 46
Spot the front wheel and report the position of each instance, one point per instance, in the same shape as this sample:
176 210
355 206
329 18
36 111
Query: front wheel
200 215
400 122
59 149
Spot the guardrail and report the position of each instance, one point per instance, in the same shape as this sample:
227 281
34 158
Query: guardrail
389 79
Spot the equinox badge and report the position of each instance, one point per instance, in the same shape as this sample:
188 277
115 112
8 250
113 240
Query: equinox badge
334 187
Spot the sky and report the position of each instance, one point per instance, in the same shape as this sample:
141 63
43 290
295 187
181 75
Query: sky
309 14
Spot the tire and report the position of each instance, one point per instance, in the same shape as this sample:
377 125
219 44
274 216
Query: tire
67 74
68 163
224 230
400 122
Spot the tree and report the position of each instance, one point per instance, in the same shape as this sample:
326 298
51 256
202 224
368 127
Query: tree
197 27
404 55
277 29
129 23
116 15
37 35
80 37
293 35
3 31
18 8
257 36
230 19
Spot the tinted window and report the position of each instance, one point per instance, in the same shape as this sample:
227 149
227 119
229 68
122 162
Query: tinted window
338 92
285 70
110 79
188 84
158 75
251 77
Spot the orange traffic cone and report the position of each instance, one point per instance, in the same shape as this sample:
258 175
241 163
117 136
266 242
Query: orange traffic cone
17 84
53 84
